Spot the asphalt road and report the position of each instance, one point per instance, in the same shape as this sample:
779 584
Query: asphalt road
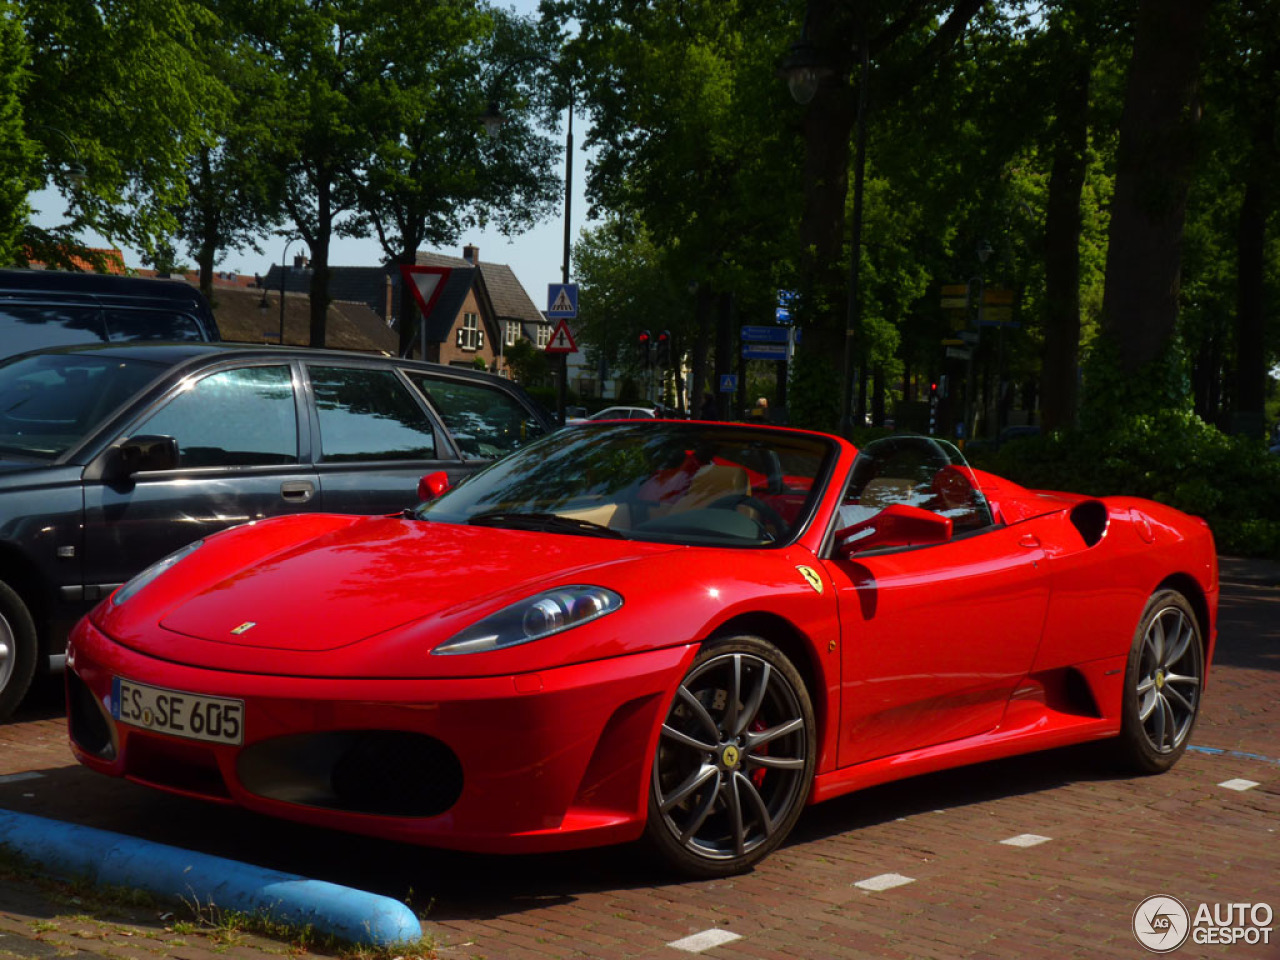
1095 844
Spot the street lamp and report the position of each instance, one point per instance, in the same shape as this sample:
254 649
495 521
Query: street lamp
76 171
804 68
284 258
493 121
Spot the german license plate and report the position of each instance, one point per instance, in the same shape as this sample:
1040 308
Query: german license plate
178 714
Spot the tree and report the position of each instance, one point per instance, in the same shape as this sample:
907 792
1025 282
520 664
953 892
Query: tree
121 95
234 195
692 147
18 154
430 171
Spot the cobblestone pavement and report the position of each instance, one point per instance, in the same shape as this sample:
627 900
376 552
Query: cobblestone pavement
1090 845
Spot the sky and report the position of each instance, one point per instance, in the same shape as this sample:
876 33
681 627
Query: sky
534 256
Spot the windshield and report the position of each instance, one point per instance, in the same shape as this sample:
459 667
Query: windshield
690 483
51 402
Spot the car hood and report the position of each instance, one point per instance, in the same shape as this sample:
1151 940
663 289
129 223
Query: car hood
347 579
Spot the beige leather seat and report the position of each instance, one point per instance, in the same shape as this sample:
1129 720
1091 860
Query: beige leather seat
711 483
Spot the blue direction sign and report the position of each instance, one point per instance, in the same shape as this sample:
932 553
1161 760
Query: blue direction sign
765 334
728 382
757 334
562 300
764 351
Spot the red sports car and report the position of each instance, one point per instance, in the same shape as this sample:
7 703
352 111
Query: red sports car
681 631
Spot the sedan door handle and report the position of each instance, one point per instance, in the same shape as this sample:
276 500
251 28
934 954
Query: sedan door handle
1029 540
297 491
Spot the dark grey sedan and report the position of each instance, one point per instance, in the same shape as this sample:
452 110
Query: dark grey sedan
112 457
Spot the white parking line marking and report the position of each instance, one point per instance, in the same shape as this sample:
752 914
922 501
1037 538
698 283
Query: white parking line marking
885 881
704 940
16 777
1239 784
1026 840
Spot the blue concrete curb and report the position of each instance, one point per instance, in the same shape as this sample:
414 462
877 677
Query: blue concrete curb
103 857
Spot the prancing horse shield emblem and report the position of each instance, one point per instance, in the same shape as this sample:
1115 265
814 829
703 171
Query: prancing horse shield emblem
249 625
811 577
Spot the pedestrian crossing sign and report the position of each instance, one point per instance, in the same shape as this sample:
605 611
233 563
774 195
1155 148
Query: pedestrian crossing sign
562 300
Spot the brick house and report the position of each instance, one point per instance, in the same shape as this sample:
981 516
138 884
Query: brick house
482 310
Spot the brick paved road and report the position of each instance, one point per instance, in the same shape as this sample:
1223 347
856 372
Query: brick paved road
1112 841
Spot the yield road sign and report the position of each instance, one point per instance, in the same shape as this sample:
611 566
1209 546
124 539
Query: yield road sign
561 340
562 300
425 284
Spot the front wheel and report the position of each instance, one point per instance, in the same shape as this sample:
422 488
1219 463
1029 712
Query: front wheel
1162 684
17 650
735 760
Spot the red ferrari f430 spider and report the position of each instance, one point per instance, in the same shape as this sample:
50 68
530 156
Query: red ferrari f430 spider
677 631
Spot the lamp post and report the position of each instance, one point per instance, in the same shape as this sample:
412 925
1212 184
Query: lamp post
493 121
284 259
76 171
804 71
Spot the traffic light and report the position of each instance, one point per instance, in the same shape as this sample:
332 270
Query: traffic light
664 349
643 345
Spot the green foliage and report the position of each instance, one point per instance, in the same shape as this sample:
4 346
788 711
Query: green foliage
122 92
528 364
18 155
1171 456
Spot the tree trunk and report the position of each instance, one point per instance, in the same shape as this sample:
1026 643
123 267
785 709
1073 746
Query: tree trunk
1062 244
320 258
1249 415
699 408
826 129
207 254
1158 131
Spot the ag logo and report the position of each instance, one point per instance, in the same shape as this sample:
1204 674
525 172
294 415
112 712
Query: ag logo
811 577
1161 924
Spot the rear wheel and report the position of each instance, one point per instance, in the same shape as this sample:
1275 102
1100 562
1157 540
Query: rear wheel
17 650
1162 684
734 762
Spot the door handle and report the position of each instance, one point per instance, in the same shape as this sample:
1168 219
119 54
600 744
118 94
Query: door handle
1029 540
297 491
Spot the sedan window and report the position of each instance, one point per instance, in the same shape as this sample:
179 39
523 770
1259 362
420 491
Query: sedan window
50 402
234 418
368 414
485 422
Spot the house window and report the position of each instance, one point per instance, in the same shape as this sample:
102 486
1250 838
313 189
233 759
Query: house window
513 332
544 334
470 336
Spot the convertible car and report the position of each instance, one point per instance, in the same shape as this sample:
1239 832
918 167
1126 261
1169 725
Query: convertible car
677 631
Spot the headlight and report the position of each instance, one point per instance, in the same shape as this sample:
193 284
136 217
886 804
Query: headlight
534 618
149 574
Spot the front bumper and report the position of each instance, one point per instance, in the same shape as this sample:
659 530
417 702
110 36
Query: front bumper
538 761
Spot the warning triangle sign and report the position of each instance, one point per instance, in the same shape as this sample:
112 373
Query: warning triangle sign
561 339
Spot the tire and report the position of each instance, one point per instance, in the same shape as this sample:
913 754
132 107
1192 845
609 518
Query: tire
17 650
734 761
1163 681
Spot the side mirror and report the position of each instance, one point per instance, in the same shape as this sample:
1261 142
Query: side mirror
897 525
432 485
141 454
